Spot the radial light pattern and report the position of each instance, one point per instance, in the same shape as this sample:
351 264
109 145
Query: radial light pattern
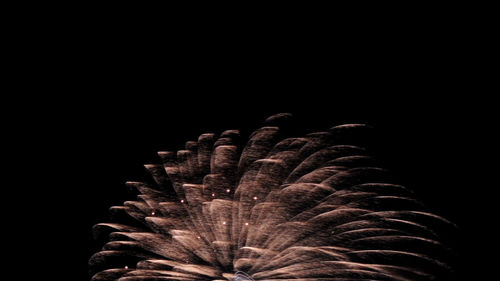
279 207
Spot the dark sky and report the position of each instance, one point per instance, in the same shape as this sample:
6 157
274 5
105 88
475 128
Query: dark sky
426 145
109 104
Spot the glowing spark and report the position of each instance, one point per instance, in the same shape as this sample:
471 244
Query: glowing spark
255 198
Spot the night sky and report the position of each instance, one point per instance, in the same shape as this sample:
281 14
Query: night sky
118 104
425 150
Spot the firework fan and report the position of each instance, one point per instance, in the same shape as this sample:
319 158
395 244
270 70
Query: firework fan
279 207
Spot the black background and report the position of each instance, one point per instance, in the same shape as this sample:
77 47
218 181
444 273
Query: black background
429 148
108 96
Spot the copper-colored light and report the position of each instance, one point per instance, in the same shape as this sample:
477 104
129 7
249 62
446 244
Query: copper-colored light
320 206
